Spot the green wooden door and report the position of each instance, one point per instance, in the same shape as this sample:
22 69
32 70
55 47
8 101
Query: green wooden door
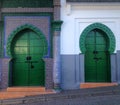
97 67
27 65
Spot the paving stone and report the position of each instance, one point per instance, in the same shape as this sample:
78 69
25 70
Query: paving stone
98 96
11 102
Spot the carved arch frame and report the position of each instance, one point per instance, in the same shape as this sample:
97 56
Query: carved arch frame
25 26
104 28
48 61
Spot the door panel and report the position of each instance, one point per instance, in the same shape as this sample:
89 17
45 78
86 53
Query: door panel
28 66
36 67
20 74
97 57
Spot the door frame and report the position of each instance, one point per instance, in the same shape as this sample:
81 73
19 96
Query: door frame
9 45
111 40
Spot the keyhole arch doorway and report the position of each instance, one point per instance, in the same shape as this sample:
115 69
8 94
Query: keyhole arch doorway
97 42
27 48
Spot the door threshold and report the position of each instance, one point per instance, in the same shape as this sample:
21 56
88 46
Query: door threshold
94 85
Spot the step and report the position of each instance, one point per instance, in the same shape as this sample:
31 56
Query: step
94 85
8 95
26 89
21 92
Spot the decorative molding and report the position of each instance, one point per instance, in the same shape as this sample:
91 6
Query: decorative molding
25 26
95 6
57 25
102 27
63 2
68 9
21 10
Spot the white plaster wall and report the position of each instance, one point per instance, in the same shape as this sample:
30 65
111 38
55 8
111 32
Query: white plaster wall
76 17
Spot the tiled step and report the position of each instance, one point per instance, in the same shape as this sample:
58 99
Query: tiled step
8 95
26 89
94 85
19 92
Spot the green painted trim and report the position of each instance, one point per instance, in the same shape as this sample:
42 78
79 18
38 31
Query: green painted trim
25 26
56 25
104 28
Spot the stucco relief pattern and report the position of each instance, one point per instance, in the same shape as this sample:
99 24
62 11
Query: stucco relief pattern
12 35
102 27
42 23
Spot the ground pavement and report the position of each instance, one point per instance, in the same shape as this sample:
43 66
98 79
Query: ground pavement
95 96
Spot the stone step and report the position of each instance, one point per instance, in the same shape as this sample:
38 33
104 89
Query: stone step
8 95
21 92
94 85
26 89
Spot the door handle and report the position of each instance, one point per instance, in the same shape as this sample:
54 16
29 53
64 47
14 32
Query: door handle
28 58
32 65
31 62
97 58
95 52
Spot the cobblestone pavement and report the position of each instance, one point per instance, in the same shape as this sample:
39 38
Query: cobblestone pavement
98 100
100 96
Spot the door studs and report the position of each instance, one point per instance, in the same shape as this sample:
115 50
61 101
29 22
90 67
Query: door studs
95 52
28 58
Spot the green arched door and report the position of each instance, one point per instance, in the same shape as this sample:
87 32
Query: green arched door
27 64
97 57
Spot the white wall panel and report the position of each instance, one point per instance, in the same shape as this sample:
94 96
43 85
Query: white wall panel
77 17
